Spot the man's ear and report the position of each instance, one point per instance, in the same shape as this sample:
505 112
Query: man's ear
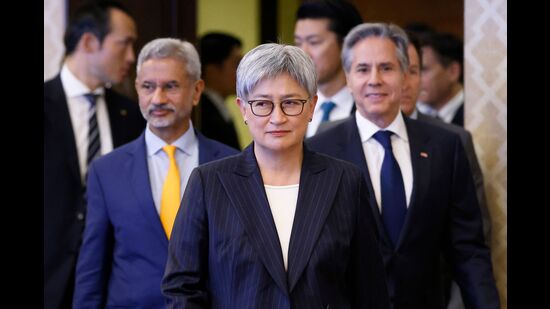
89 43
453 70
199 87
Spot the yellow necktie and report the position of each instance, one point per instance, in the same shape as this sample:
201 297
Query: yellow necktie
170 200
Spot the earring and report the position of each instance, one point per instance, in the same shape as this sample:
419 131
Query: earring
310 119
245 123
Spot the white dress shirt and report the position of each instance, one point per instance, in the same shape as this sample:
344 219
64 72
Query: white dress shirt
448 111
187 158
344 104
282 201
374 152
78 110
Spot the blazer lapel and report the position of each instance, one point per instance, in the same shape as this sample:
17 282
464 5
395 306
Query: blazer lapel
141 186
352 151
315 198
207 152
245 189
420 160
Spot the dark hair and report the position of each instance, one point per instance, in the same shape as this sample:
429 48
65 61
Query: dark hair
415 42
448 48
215 47
343 15
91 17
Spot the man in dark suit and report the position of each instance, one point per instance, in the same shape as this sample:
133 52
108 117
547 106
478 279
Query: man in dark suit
220 54
408 106
431 208
129 219
320 30
99 52
442 77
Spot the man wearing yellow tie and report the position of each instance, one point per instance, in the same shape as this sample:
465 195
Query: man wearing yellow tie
134 192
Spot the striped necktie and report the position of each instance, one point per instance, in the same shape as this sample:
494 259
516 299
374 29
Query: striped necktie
94 142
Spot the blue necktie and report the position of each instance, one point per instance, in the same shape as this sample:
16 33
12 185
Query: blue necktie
94 144
394 202
327 108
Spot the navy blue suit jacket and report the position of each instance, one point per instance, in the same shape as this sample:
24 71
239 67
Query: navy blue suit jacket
64 201
443 217
123 254
225 252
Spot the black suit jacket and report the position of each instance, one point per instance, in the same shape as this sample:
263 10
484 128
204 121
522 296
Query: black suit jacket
443 218
214 126
458 119
224 251
64 202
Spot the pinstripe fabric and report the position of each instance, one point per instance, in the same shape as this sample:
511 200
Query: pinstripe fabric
225 253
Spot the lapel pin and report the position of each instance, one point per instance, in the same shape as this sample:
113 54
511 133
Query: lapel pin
423 154
123 112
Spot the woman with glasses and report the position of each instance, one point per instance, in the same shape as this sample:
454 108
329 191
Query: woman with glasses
277 226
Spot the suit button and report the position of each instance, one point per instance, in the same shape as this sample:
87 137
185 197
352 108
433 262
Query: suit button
80 216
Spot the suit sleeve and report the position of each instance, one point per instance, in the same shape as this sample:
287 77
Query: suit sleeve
468 253
95 257
184 282
367 268
478 183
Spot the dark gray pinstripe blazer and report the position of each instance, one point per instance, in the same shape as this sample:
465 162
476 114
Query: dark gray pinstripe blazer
224 250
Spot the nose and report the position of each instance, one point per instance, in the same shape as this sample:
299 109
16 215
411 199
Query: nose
374 78
306 49
277 116
159 96
130 55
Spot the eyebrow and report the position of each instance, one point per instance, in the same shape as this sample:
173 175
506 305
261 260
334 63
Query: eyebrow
307 37
285 96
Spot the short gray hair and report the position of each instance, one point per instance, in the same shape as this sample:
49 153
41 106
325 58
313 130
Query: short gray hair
380 30
269 61
172 48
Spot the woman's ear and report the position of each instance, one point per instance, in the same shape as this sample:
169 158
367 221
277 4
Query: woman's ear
241 103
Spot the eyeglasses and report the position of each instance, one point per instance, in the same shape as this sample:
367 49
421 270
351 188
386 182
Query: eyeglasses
290 107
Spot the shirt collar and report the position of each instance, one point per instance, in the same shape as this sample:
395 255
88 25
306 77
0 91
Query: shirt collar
185 143
414 114
448 111
367 128
344 95
73 87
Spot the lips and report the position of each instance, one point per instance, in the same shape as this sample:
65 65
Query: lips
278 132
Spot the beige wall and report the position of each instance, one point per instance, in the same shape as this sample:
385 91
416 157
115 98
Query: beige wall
485 61
54 27
239 18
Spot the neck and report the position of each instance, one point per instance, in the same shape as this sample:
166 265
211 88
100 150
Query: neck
454 90
171 134
381 121
214 81
331 87
280 168
79 66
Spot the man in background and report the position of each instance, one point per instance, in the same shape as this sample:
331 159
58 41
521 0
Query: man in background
442 77
83 119
408 106
220 55
320 30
